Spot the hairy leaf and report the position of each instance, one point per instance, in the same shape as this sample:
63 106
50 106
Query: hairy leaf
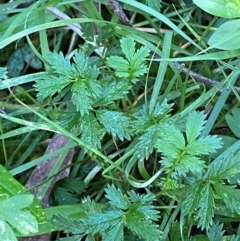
230 196
146 143
215 232
116 123
91 131
113 90
204 146
194 125
224 168
50 85
206 206
82 97
117 198
133 66
60 64
115 233
192 197
146 230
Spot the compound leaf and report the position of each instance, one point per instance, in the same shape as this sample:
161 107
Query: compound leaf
133 66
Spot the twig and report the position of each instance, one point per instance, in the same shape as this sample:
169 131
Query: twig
117 9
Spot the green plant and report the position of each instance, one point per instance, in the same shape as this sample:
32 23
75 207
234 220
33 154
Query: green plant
151 160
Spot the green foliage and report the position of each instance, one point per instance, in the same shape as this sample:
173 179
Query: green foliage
222 8
155 4
112 96
233 123
226 36
11 214
215 232
134 212
116 123
133 66
183 155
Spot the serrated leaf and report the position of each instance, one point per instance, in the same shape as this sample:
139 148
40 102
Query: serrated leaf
115 233
113 90
235 238
91 131
68 225
175 233
82 65
60 64
189 164
162 110
128 48
132 67
116 123
120 64
204 146
101 222
70 119
224 168
74 184
215 232
94 87
64 197
144 198
173 135
50 85
192 197
220 8
82 97
146 143
145 229
230 196
206 206
116 198
194 125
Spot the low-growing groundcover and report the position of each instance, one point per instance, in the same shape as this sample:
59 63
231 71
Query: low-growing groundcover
119 120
